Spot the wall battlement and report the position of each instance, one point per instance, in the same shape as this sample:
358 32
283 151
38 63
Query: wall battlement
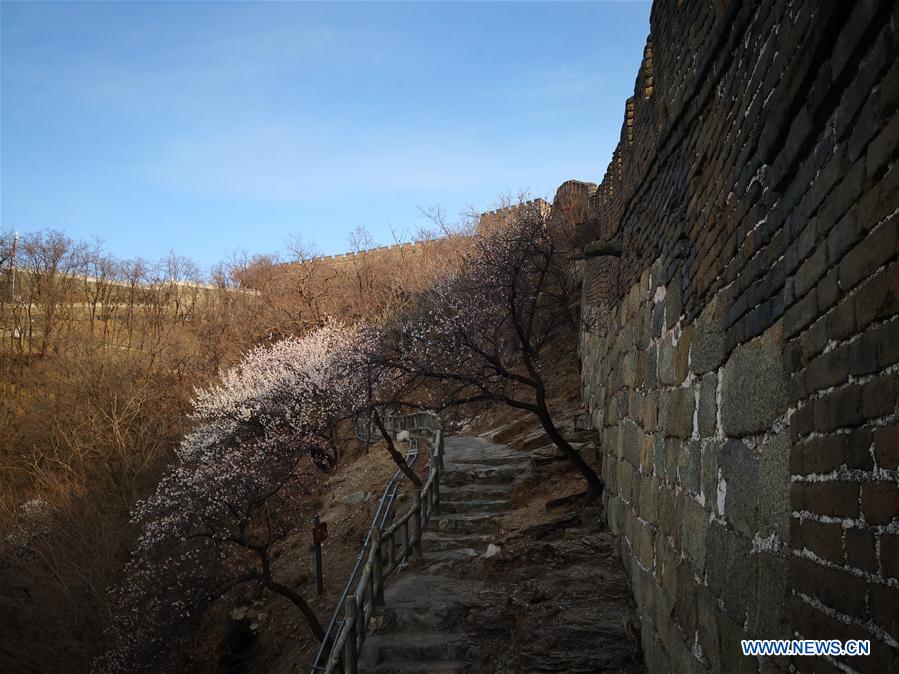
742 367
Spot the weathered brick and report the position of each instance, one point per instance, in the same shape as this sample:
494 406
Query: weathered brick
879 396
880 501
841 320
861 549
878 298
834 588
865 257
834 498
863 354
828 369
839 409
801 313
827 453
884 602
824 539
889 555
828 290
886 447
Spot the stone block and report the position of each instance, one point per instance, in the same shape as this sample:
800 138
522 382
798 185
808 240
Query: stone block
658 458
650 367
728 569
685 597
629 435
658 318
694 532
666 567
670 508
649 499
774 485
711 449
667 367
673 304
676 412
626 481
707 632
689 466
672 452
739 467
682 354
651 411
613 515
628 369
754 388
647 454
707 346
732 659
643 544
708 406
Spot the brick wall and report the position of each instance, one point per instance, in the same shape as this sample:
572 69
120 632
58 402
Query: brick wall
740 360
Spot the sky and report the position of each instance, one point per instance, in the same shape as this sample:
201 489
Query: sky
211 128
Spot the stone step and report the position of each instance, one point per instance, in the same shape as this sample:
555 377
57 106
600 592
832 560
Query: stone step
473 505
514 460
464 564
417 647
484 475
416 590
465 522
430 557
451 667
434 616
434 541
474 492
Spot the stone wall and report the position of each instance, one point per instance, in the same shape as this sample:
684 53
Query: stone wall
740 357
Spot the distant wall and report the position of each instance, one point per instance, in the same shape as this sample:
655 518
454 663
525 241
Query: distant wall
741 364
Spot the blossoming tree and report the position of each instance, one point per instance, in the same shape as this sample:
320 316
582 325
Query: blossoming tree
234 493
482 334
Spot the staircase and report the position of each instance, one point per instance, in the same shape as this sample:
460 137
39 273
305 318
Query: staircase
422 627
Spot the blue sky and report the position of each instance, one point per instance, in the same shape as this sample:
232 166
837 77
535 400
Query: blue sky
215 127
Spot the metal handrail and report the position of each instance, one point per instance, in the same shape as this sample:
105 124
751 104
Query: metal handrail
328 659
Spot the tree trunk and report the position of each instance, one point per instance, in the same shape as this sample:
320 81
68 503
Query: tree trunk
301 604
398 458
314 625
594 483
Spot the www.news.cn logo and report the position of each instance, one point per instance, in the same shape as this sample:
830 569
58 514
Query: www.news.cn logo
832 647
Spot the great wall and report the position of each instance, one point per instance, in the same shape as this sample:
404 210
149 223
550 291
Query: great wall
741 368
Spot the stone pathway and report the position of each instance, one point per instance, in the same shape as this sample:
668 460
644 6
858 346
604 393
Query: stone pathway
423 626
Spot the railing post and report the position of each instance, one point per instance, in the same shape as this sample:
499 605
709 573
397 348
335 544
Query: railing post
440 447
405 550
435 484
350 625
377 571
391 552
416 519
